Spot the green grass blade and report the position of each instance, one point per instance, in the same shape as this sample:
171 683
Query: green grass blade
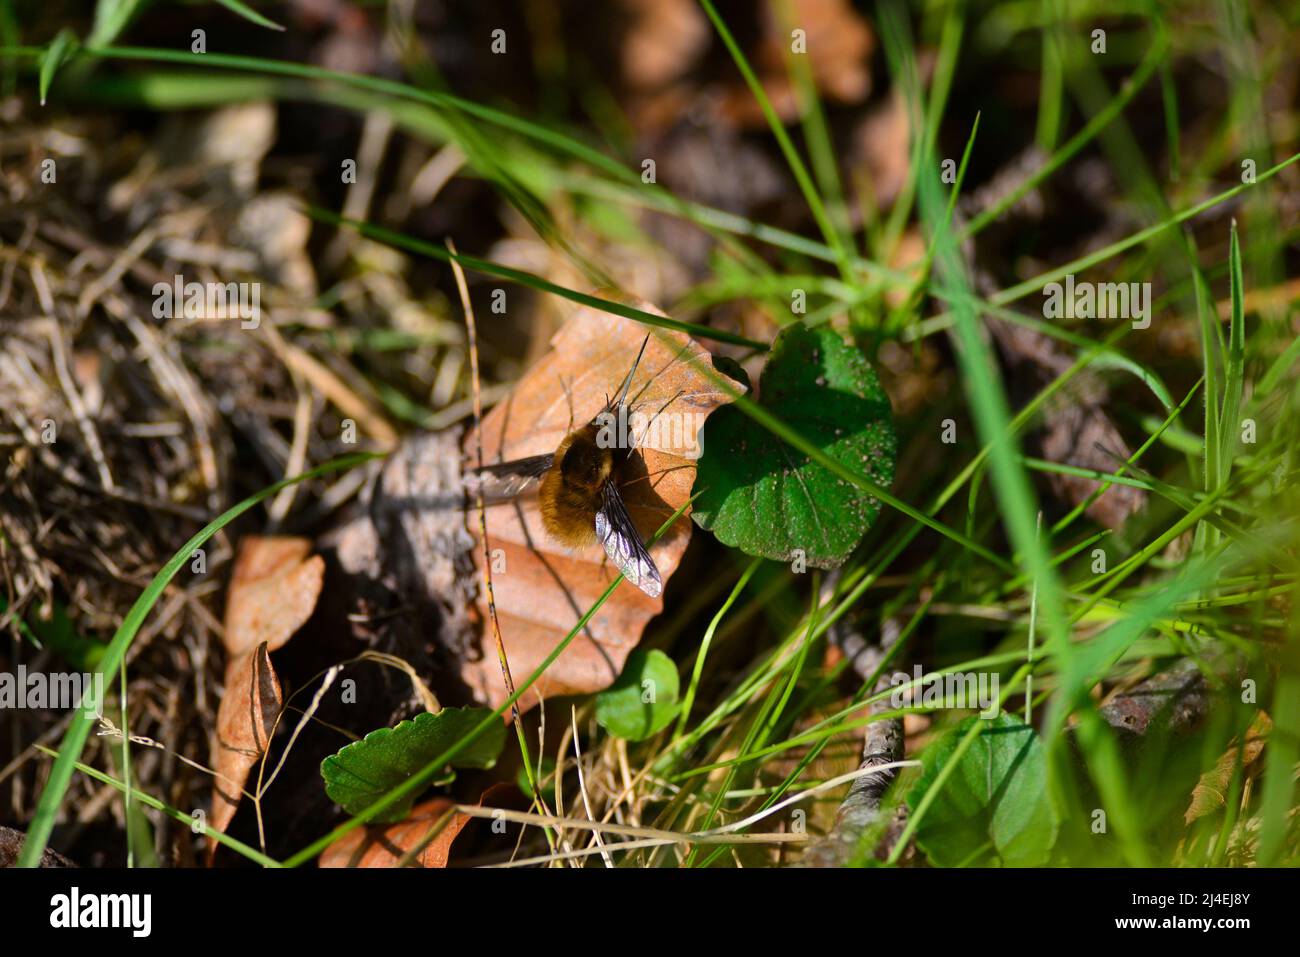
1083 263
817 136
783 140
1074 144
248 13
1051 85
252 853
531 280
1234 361
111 18
236 62
992 414
688 699
59 50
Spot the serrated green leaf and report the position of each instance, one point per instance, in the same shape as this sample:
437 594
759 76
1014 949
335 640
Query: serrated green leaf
365 770
58 51
643 700
994 808
758 494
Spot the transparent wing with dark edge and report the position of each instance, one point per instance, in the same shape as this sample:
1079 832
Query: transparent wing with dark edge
506 480
623 543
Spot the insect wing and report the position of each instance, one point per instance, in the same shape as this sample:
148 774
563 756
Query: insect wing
506 480
623 543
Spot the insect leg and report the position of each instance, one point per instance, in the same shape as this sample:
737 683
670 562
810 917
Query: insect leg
646 431
568 398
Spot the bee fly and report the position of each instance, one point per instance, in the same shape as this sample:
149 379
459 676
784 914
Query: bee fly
579 490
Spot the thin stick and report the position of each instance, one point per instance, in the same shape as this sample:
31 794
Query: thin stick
725 834
472 331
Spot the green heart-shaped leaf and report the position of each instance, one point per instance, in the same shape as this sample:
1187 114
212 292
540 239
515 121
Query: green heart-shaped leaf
994 808
365 770
644 698
757 493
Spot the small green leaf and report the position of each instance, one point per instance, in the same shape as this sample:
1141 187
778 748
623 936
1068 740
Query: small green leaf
59 50
644 698
366 770
758 494
994 807
60 635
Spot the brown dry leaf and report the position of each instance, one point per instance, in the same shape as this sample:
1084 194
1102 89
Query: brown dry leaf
840 44
1211 791
663 42
543 588
384 845
882 151
273 590
839 48
245 720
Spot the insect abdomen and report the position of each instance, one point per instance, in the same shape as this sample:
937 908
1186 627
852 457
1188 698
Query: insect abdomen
570 490
568 512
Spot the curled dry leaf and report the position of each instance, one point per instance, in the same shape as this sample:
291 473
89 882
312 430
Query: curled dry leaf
273 591
244 724
541 588
1211 791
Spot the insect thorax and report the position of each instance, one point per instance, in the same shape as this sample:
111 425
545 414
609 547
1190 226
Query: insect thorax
584 462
